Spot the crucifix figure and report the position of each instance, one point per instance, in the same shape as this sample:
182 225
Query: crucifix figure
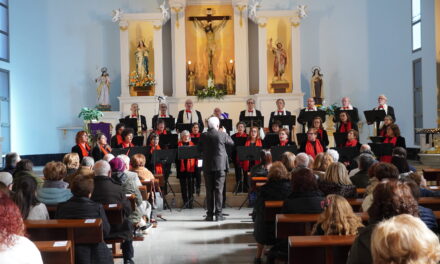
208 25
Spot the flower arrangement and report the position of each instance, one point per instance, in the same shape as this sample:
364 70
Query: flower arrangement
210 92
88 115
329 110
135 80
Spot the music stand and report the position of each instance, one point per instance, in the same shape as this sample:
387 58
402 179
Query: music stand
195 140
278 151
164 157
308 116
352 113
120 151
271 139
130 122
227 124
285 120
188 152
252 121
373 116
139 150
377 139
247 153
169 122
168 141
347 153
181 126
340 139
138 141
381 149
301 138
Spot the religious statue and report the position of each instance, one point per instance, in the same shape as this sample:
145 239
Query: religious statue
191 82
103 90
210 27
141 56
317 85
280 62
230 79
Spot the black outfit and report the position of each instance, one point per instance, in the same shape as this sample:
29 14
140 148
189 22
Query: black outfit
108 191
360 179
213 146
243 114
84 208
186 181
154 120
324 139
264 232
77 149
354 116
390 111
302 121
400 142
200 122
114 142
360 252
428 217
135 129
238 169
347 191
258 170
97 153
272 114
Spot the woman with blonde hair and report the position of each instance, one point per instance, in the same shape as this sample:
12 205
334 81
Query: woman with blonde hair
321 163
71 160
288 160
338 218
404 239
336 181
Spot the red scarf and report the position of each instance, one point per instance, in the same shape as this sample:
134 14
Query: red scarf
157 166
164 132
190 163
246 163
84 150
119 140
383 131
344 128
352 143
284 143
125 145
242 134
105 149
310 150
195 135
389 140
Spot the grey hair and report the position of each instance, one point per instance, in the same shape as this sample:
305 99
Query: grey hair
365 147
87 162
102 168
365 161
108 157
184 133
334 154
12 159
125 159
302 160
213 122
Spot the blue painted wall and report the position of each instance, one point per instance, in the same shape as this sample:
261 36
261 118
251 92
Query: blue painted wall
58 47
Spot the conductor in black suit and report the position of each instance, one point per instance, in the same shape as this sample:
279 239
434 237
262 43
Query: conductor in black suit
190 116
250 111
213 145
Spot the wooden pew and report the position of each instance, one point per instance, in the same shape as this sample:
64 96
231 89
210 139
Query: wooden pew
271 209
258 185
432 175
300 224
53 252
430 202
361 191
319 249
356 204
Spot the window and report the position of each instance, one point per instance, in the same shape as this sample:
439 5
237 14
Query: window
5 131
417 97
416 26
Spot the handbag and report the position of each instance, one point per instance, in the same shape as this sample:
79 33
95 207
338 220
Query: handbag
158 201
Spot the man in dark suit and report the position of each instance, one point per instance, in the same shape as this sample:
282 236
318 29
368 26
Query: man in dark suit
389 110
251 111
107 191
189 115
163 113
346 106
134 115
281 111
310 107
213 145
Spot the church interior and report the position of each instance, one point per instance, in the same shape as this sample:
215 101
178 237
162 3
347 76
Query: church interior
220 131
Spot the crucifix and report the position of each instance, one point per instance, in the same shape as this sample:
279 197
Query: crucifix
209 25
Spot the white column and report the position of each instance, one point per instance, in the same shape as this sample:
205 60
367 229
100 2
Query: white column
125 59
241 48
178 47
158 58
296 55
262 55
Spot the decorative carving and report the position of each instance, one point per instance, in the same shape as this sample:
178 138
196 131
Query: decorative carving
240 9
262 22
123 25
177 10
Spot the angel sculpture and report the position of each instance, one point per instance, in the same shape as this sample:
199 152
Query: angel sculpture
117 14
253 9
164 9
302 11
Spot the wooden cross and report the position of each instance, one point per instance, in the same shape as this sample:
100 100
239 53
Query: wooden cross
209 17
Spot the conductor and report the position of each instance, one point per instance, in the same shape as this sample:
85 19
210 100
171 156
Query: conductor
213 146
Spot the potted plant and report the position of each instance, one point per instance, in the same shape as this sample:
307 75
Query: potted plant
210 92
89 115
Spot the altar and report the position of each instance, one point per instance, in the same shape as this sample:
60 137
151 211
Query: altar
190 47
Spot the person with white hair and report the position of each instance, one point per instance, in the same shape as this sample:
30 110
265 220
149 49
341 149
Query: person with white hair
108 157
346 106
213 146
134 109
6 179
11 161
250 111
163 113
334 153
302 160
389 110
106 191
189 115
86 169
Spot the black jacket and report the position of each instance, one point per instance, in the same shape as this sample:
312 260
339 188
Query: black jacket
301 118
180 119
264 232
360 252
143 124
97 153
303 203
428 218
360 179
272 114
114 142
77 149
243 114
107 191
347 191
213 145
84 208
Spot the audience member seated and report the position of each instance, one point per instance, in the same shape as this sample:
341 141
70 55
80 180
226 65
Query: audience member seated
393 137
390 198
338 218
108 157
15 248
401 165
11 160
86 169
20 174
71 160
130 174
379 171
301 161
23 165
321 164
262 169
423 187
353 167
101 148
277 187
4 189
404 239
401 152
82 145
425 214
288 160
107 191
116 140
24 195
361 178
6 179
81 207
334 153
312 146
54 189
336 181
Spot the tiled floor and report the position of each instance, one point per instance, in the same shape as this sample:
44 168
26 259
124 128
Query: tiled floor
186 238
